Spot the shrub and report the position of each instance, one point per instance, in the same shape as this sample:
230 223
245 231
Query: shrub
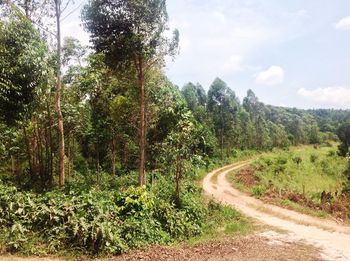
297 160
281 160
326 167
258 190
331 153
279 169
313 158
268 161
95 221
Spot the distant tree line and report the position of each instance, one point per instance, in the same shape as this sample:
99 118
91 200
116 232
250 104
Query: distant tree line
119 111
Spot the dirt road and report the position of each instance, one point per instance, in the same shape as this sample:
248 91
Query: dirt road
331 238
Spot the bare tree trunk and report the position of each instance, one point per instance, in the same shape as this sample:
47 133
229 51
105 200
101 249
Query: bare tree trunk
124 155
13 165
29 157
141 81
50 159
40 159
69 155
113 154
177 180
58 97
72 156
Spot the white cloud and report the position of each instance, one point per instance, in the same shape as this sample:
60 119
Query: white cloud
233 64
343 24
302 13
335 96
220 17
272 76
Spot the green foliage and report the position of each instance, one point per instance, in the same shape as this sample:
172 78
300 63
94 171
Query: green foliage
313 158
343 133
23 62
222 107
137 29
224 220
258 190
310 177
297 160
96 221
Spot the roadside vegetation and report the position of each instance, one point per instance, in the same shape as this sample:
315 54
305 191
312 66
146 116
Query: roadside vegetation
309 179
110 217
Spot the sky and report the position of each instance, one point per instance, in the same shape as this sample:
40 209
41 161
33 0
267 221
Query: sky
292 53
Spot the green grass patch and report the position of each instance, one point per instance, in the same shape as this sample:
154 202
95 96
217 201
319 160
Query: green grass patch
223 221
302 169
305 210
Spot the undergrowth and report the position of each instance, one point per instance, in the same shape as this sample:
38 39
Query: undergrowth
93 221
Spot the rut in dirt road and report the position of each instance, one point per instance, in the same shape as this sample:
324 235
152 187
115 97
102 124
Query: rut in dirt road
332 238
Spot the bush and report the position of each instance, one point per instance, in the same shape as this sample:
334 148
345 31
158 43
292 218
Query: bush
258 190
95 221
313 158
325 166
281 160
279 169
331 153
297 160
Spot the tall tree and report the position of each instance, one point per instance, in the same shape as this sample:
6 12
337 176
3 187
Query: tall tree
223 107
343 133
131 33
58 13
22 59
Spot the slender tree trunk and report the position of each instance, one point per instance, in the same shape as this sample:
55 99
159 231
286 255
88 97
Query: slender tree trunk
69 155
177 179
29 157
114 141
40 158
58 97
47 152
124 155
13 165
50 159
72 156
141 81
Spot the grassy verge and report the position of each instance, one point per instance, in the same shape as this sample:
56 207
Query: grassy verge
302 209
223 221
296 179
305 169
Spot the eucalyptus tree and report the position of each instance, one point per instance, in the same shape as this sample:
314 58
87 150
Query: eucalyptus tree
196 99
256 110
343 133
195 95
131 33
40 14
223 106
58 13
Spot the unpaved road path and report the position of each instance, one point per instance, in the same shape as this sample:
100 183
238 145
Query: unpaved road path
331 238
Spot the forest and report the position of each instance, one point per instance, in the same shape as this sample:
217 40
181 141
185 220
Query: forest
100 152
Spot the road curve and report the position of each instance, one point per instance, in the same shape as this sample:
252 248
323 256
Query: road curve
332 238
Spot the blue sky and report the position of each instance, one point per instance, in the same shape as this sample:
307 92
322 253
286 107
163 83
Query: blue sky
290 53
